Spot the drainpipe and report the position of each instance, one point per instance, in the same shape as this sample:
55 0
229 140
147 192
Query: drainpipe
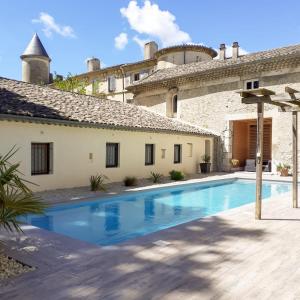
123 83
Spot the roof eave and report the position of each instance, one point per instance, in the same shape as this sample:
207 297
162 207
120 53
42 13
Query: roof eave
74 123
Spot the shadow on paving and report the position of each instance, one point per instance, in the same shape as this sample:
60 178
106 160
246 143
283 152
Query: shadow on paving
137 269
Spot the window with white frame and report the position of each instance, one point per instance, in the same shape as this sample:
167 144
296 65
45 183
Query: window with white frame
111 83
252 84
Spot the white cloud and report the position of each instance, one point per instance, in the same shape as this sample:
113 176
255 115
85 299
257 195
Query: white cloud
149 19
140 42
121 41
229 51
50 26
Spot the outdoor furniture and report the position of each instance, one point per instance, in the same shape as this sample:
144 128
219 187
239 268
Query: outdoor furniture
250 165
267 166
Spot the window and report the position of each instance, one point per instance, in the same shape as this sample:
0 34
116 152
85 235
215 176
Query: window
95 86
149 154
40 158
207 147
190 147
136 77
255 84
177 154
252 84
112 155
144 74
111 83
174 104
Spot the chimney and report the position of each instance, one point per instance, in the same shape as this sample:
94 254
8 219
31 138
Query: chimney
222 54
149 50
93 64
235 50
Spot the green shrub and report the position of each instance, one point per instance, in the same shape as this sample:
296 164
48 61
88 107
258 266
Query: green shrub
130 181
97 182
156 177
16 198
206 158
176 175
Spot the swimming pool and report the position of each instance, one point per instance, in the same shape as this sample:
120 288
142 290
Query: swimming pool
113 220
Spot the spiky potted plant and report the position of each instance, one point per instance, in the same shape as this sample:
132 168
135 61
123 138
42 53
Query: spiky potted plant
283 169
16 198
206 164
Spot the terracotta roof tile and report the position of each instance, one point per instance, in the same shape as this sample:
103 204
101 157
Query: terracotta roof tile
29 100
215 65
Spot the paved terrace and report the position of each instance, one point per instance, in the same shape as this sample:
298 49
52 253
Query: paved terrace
226 256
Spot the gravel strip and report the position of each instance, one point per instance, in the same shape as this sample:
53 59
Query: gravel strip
10 267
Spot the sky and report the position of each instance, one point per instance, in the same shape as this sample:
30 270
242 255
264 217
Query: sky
115 30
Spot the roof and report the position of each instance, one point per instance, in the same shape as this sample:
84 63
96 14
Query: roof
20 100
126 66
35 48
187 47
215 65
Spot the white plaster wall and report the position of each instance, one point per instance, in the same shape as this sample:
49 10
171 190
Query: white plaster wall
172 59
71 147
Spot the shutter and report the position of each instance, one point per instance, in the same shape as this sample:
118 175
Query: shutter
267 142
111 83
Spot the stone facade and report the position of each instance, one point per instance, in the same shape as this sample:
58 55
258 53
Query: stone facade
113 81
216 104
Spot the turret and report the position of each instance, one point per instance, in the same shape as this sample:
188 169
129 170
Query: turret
93 64
35 62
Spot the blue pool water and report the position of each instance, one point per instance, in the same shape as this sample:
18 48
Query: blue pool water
110 221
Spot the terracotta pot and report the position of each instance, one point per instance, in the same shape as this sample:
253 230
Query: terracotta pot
284 172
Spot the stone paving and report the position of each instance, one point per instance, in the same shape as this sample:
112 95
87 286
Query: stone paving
227 256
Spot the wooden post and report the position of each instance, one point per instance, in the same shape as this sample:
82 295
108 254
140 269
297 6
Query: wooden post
259 158
295 159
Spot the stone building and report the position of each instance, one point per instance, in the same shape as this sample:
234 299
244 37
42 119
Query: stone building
35 62
113 81
63 138
197 85
204 93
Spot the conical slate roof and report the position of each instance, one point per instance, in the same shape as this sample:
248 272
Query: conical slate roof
35 48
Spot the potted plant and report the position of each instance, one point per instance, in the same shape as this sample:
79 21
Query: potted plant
206 164
235 165
283 169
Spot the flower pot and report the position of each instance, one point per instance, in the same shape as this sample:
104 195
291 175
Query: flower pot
284 172
205 167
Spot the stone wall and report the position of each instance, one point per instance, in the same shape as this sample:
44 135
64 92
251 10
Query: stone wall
216 104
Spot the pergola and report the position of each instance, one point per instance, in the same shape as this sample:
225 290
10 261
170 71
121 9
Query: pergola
288 102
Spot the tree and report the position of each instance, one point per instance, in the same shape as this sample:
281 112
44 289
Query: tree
70 84
16 198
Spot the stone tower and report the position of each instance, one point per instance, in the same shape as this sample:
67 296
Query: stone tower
35 62
93 64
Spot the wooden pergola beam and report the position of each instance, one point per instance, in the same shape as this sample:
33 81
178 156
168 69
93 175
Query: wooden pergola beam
295 159
262 99
289 109
290 103
290 90
256 92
